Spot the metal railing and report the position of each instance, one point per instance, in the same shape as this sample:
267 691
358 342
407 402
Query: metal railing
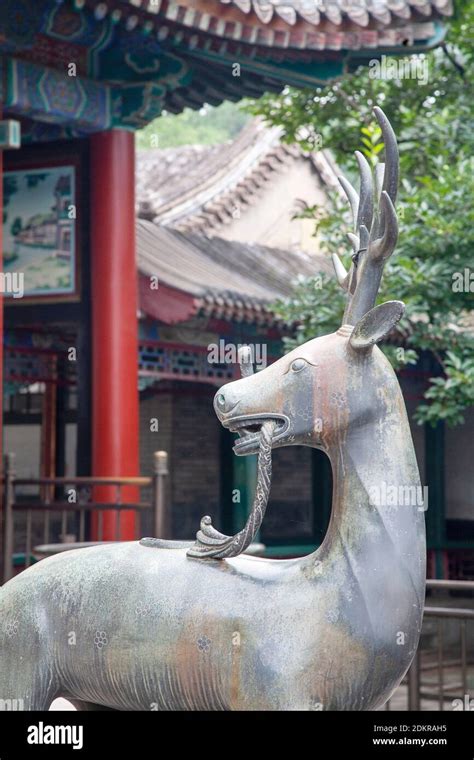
441 673
52 500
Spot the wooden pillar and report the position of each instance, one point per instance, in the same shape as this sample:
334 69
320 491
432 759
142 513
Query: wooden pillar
48 430
1 305
60 427
84 397
115 426
2 494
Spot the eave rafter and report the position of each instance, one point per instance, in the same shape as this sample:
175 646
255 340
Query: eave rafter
284 24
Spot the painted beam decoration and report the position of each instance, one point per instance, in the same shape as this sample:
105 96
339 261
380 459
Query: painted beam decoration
75 101
121 62
176 625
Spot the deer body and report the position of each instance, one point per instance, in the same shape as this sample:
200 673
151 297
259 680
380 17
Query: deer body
127 626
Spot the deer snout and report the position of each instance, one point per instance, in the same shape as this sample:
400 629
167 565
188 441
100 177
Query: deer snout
224 403
248 396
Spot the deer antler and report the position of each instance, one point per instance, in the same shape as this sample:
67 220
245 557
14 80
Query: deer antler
375 230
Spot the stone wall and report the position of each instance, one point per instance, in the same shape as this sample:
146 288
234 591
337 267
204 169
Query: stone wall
189 432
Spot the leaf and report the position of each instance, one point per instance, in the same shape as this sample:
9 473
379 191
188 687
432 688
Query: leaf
434 123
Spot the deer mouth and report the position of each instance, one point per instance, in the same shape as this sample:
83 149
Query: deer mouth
248 429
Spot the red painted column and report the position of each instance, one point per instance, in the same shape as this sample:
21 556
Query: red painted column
1 310
115 426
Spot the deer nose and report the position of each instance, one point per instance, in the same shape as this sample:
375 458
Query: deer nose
224 403
220 403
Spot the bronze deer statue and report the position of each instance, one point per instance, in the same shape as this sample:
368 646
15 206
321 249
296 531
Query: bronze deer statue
164 625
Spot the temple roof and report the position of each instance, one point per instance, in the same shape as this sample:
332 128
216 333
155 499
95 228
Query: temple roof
359 12
345 14
196 188
276 42
224 279
293 23
134 58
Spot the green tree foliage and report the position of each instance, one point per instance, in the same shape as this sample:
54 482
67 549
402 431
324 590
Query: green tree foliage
208 126
432 269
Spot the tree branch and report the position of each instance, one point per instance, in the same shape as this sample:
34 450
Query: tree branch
460 69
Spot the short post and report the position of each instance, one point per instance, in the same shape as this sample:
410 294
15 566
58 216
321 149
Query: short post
9 496
414 684
160 471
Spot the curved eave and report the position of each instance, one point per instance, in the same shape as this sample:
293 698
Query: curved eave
140 57
285 25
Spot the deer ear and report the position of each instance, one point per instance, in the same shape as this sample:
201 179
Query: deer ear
376 324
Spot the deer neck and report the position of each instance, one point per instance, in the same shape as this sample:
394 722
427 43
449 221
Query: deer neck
377 508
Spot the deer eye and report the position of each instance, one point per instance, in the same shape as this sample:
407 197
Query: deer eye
298 365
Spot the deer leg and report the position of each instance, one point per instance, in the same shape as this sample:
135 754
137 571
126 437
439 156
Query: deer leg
25 684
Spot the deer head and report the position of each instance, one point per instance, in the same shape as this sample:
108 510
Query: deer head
331 386
306 391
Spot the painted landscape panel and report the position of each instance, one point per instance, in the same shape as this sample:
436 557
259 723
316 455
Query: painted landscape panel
38 229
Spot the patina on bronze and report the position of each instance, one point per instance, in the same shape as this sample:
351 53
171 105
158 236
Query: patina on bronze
132 626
